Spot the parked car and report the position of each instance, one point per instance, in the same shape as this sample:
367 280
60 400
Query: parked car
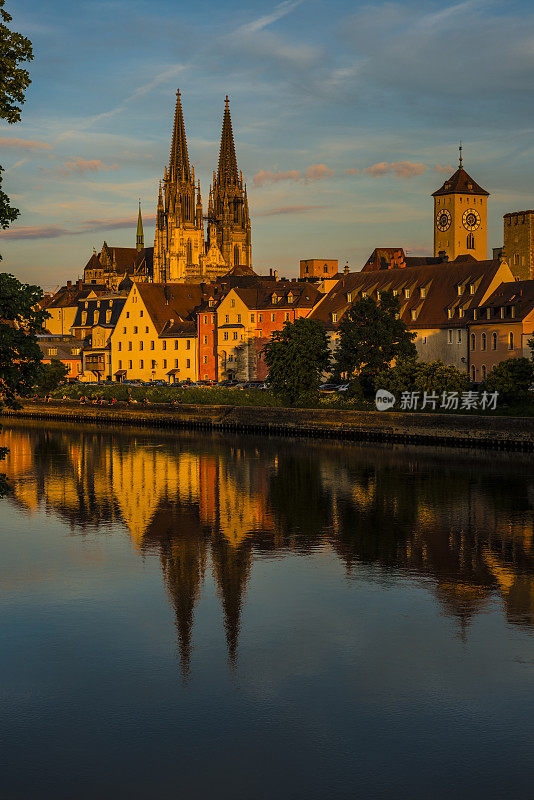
328 388
344 387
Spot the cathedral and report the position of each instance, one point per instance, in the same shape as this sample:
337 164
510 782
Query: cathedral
183 249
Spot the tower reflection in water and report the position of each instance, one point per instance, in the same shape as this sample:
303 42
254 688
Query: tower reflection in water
460 523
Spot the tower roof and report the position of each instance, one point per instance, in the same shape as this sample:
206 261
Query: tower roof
460 183
140 239
227 171
179 160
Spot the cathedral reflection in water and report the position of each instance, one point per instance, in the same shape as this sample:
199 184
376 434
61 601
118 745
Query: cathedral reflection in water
211 503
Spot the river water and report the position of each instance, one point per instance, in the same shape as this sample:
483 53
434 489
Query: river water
200 616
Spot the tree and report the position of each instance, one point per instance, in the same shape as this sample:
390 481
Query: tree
371 337
15 49
512 379
21 319
296 357
51 376
410 375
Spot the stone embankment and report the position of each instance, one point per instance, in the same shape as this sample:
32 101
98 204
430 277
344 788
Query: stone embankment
503 433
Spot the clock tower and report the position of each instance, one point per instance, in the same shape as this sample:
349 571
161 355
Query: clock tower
460 217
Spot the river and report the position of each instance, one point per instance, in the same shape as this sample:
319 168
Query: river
200 616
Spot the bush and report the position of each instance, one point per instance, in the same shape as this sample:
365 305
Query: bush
512 379
411 375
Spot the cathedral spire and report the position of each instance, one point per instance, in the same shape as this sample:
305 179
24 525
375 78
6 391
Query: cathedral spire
140 238
227 171
179 160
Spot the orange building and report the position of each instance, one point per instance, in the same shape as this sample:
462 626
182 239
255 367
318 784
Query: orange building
318 268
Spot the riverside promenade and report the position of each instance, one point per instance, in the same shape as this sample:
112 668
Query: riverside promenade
455 430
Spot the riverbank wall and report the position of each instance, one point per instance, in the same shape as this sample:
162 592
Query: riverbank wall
502 433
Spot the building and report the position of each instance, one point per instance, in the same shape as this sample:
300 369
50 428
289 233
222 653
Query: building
63 305
500 327
519 243
396 258
436 302
114 265
95 320
182 252
460 217
155 337
65 349
318 268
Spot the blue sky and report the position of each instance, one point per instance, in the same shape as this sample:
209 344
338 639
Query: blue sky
346 117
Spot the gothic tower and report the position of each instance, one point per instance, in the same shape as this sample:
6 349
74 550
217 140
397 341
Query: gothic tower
460 217
228 216
179 239
140 237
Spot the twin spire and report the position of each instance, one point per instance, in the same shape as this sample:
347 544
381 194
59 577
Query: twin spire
179 160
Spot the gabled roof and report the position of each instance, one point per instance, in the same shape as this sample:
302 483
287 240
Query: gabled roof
69 295
460 183
519 294
440 282
395 257
171 301
97 312
260 295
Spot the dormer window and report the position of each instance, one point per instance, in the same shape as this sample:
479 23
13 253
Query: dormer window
459 289
290 298
274 298
211 303
423 291
472 288
364 295
461 312
334 317
450 313
512 312
395 292
407 293
488 313
414 314
349 297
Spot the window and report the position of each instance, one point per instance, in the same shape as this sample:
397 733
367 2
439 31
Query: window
120 364
227 319
124 330
473 373
414 314
461 312
226 336
450 335
473 341
127 314
153 364
205 319
325 268
459 288
205 339
407 293
175 363
119 345
129 365
449 313
459 332
483 372
188 363
52 351
470 242
164 363
273 317
176 344
286 316
239 318
424 339
235 334
129 345
260 317
423 291
135 328
146 329
141 364
290 298
349 296
108 316
472 288
488 313
205 360
76 351
188 344
84 317
141 313
164 344
483 342
151 345
232 302
510 341
252 317
141 345
493 341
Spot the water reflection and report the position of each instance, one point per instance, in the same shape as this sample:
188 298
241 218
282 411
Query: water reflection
460 523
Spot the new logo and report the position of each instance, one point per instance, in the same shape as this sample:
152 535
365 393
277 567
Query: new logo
384 400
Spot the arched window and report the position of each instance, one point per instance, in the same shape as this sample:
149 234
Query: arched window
483 372
189 253
473 341
473 373
494 341
483 341
510 341
470 242
236 255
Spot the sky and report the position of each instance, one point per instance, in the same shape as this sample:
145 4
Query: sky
346 115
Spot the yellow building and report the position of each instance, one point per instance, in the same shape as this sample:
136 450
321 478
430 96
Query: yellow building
519 243
460 217
155 335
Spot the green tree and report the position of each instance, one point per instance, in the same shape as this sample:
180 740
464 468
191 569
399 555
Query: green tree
371 337
512 379
435 376
21 319
296 357
51 376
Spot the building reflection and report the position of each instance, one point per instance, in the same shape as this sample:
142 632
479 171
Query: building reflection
210 505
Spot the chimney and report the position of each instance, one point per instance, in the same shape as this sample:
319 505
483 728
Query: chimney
80 283
276 274
69 284
271 273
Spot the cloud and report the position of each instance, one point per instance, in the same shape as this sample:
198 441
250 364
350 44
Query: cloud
316 172
279 11
401 169
85 226
23 144
286 210
351 171
266 176
446 169
79 166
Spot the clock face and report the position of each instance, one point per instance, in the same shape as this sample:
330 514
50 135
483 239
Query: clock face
443 219
471 219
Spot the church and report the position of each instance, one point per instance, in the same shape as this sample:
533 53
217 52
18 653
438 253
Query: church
188 245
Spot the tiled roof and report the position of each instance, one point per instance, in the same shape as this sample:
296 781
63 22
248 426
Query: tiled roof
439 282
64 348
260 295
69 295
460 183
171 301
395 257
519 294
97 312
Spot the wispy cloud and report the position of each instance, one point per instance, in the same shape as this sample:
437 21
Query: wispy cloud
351 171
401 169
85 226
446 169
279 11
316 172
267 176
80 166
271 212
13 142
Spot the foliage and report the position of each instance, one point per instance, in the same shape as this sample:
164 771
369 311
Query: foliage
21 319
15 49
512 379
296 357
410 375
371 337
530 343
51 376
